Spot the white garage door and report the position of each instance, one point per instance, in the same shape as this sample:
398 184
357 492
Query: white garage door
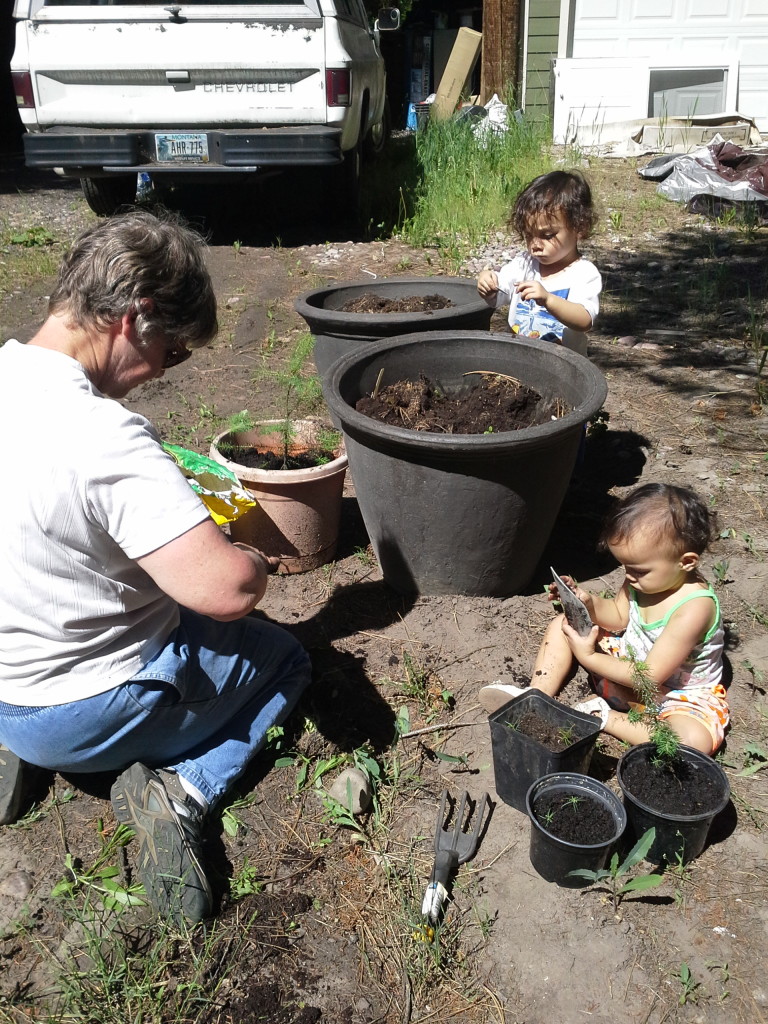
662 57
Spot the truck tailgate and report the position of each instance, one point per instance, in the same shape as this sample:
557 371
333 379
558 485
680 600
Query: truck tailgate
129 72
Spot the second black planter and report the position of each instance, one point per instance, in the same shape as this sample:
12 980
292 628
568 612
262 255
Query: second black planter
337 332
555 858
461 513
519 759
680 837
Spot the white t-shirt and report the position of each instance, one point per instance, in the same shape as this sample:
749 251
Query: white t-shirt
579 282
86 489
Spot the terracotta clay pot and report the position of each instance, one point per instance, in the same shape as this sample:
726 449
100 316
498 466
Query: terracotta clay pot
298 510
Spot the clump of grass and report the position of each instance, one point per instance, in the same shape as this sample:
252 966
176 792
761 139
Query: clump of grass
467 186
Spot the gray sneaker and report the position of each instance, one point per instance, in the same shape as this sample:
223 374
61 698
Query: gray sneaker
168 826
11 785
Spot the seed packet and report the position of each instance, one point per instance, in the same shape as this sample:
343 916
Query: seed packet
218 488
574 609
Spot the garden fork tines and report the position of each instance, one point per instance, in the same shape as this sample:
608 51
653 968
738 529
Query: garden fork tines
453 846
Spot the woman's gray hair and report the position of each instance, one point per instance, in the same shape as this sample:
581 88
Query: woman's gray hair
137 256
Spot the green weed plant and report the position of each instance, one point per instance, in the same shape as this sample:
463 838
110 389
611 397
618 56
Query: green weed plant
467 187
615 873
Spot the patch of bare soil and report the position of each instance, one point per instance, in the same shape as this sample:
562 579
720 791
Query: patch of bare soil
585 822
549 735
495 403
331 929
369 302
672 788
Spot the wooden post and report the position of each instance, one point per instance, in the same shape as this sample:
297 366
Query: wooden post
501 46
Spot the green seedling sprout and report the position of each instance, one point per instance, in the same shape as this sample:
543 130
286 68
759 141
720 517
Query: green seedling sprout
615 872
665 740
565 735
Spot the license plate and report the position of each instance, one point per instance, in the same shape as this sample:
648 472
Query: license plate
184 147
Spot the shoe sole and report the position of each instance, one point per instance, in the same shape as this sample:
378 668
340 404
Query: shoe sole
493 697
141 802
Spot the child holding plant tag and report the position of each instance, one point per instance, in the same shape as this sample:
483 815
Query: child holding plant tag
661 636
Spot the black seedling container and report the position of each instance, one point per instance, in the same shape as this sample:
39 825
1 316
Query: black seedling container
679 837
519 760
555 858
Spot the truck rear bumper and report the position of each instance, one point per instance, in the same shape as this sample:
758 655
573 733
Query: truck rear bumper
87 152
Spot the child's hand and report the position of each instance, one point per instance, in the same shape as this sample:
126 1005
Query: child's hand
533 290
487 284
582 647
583 595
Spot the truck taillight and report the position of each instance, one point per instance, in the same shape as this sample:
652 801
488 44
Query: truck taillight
22 87
337 86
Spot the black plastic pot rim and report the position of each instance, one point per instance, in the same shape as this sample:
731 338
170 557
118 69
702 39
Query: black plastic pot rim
684 819
359 426
568 780
312 302
532 695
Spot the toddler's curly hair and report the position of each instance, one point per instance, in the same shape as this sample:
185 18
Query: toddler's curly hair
565 192
675 515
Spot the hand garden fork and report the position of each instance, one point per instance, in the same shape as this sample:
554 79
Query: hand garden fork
453 846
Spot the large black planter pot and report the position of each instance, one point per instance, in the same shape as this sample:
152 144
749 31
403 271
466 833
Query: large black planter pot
336 333
679 837
461 513
519 760
554 858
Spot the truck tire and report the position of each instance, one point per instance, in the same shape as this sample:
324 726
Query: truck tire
343 202
106 196
378 136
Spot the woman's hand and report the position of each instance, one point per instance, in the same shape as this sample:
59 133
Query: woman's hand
271 562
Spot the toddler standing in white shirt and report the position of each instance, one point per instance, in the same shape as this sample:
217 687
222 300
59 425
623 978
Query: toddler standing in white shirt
551 290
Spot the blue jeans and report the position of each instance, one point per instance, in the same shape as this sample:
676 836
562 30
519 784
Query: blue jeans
202 707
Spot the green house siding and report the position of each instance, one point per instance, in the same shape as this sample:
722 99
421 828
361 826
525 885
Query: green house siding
543 29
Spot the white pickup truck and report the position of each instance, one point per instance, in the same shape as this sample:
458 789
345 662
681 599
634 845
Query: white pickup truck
198 90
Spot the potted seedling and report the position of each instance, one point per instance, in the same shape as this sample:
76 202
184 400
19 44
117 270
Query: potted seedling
575 820
346 316
535 735
294 469
668 786
452 512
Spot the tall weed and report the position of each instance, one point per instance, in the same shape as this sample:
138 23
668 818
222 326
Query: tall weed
466 187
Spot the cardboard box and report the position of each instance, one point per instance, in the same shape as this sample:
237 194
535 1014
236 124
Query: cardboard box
444 38
458 69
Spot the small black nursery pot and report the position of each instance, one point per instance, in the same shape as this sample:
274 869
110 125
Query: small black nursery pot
680 799
575 821
565 744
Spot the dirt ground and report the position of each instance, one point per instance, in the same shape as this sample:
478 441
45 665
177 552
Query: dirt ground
332 932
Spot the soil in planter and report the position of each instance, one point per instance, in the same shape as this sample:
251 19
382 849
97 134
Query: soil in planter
553 737
677 788
255 459
494 403
371 303
575 819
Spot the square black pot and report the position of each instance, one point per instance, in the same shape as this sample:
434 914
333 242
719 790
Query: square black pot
519 760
